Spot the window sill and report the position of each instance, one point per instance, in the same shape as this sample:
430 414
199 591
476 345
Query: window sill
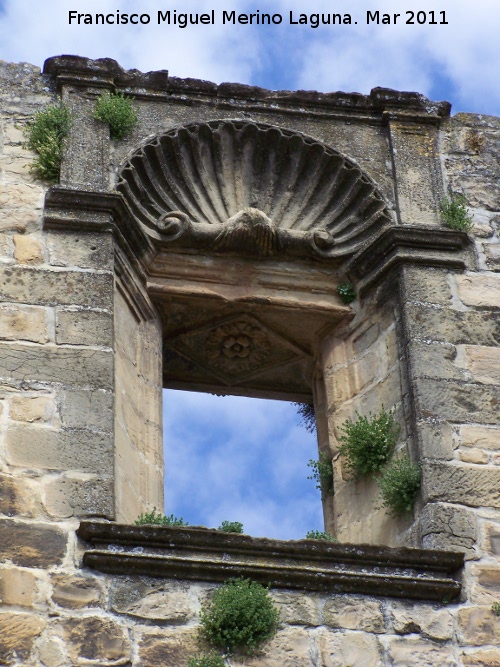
313 565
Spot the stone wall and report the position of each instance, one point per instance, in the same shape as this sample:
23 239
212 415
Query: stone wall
80 380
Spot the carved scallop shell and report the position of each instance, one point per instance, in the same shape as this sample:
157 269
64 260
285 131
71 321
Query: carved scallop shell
210 172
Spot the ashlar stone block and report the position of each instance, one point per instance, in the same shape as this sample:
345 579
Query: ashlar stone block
24 323
478 626
354 614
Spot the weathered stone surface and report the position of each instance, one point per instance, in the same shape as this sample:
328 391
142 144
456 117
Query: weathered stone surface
430 622
436 440
87 409
453 326
478 626
24 323
473 455
480 436
68 366
420 653
339 649
488 657
26 408
52 651
297 608
463 483
96 640
49 449
493 538
479 290
74 494
486 584
31 545
17 587
27 249
291 647
76 592
18 632
83 327
52 288
155 599
484 363
449 527
83 250
354 614
168 648
426 285
436 360
457 402
492 256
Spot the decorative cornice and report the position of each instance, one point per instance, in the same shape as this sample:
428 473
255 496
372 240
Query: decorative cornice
105 72
395 246
210 555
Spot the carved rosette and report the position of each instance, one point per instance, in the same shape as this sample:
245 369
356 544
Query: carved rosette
237 346
240 186
235 349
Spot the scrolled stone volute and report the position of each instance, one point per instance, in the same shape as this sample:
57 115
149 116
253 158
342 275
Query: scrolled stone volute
216 173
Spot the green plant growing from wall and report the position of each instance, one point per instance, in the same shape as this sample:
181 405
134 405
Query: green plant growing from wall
158 519
240 617
454 213
206 660
495 608
307 416
367 444
399 485
118 112
45 135
231 527
346 292
322 473
320 535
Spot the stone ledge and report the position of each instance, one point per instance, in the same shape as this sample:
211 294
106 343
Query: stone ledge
107 73
209 555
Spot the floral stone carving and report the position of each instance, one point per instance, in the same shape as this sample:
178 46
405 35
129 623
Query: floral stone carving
235 349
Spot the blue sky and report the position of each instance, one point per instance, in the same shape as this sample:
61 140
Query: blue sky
230 460
239 459
458 61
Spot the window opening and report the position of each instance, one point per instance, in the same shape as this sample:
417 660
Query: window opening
231 458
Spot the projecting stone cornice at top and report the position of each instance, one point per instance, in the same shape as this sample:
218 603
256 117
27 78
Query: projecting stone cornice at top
107 73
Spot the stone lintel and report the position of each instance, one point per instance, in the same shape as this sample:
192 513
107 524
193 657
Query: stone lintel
107 73
397 246
209 555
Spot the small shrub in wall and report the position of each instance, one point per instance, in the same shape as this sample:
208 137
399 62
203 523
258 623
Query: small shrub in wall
454 213
367 444
46 134
322 474
157 519
240 617
231 527
346 292
495 608
118 112
206 660
399 485
320 535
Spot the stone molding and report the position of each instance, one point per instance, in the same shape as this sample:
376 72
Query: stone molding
83 72
209 555
397 246
78 209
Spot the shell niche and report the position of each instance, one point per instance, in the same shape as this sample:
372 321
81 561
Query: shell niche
210 172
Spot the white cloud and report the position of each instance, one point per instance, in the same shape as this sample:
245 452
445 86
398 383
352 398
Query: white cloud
241 460
459 60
